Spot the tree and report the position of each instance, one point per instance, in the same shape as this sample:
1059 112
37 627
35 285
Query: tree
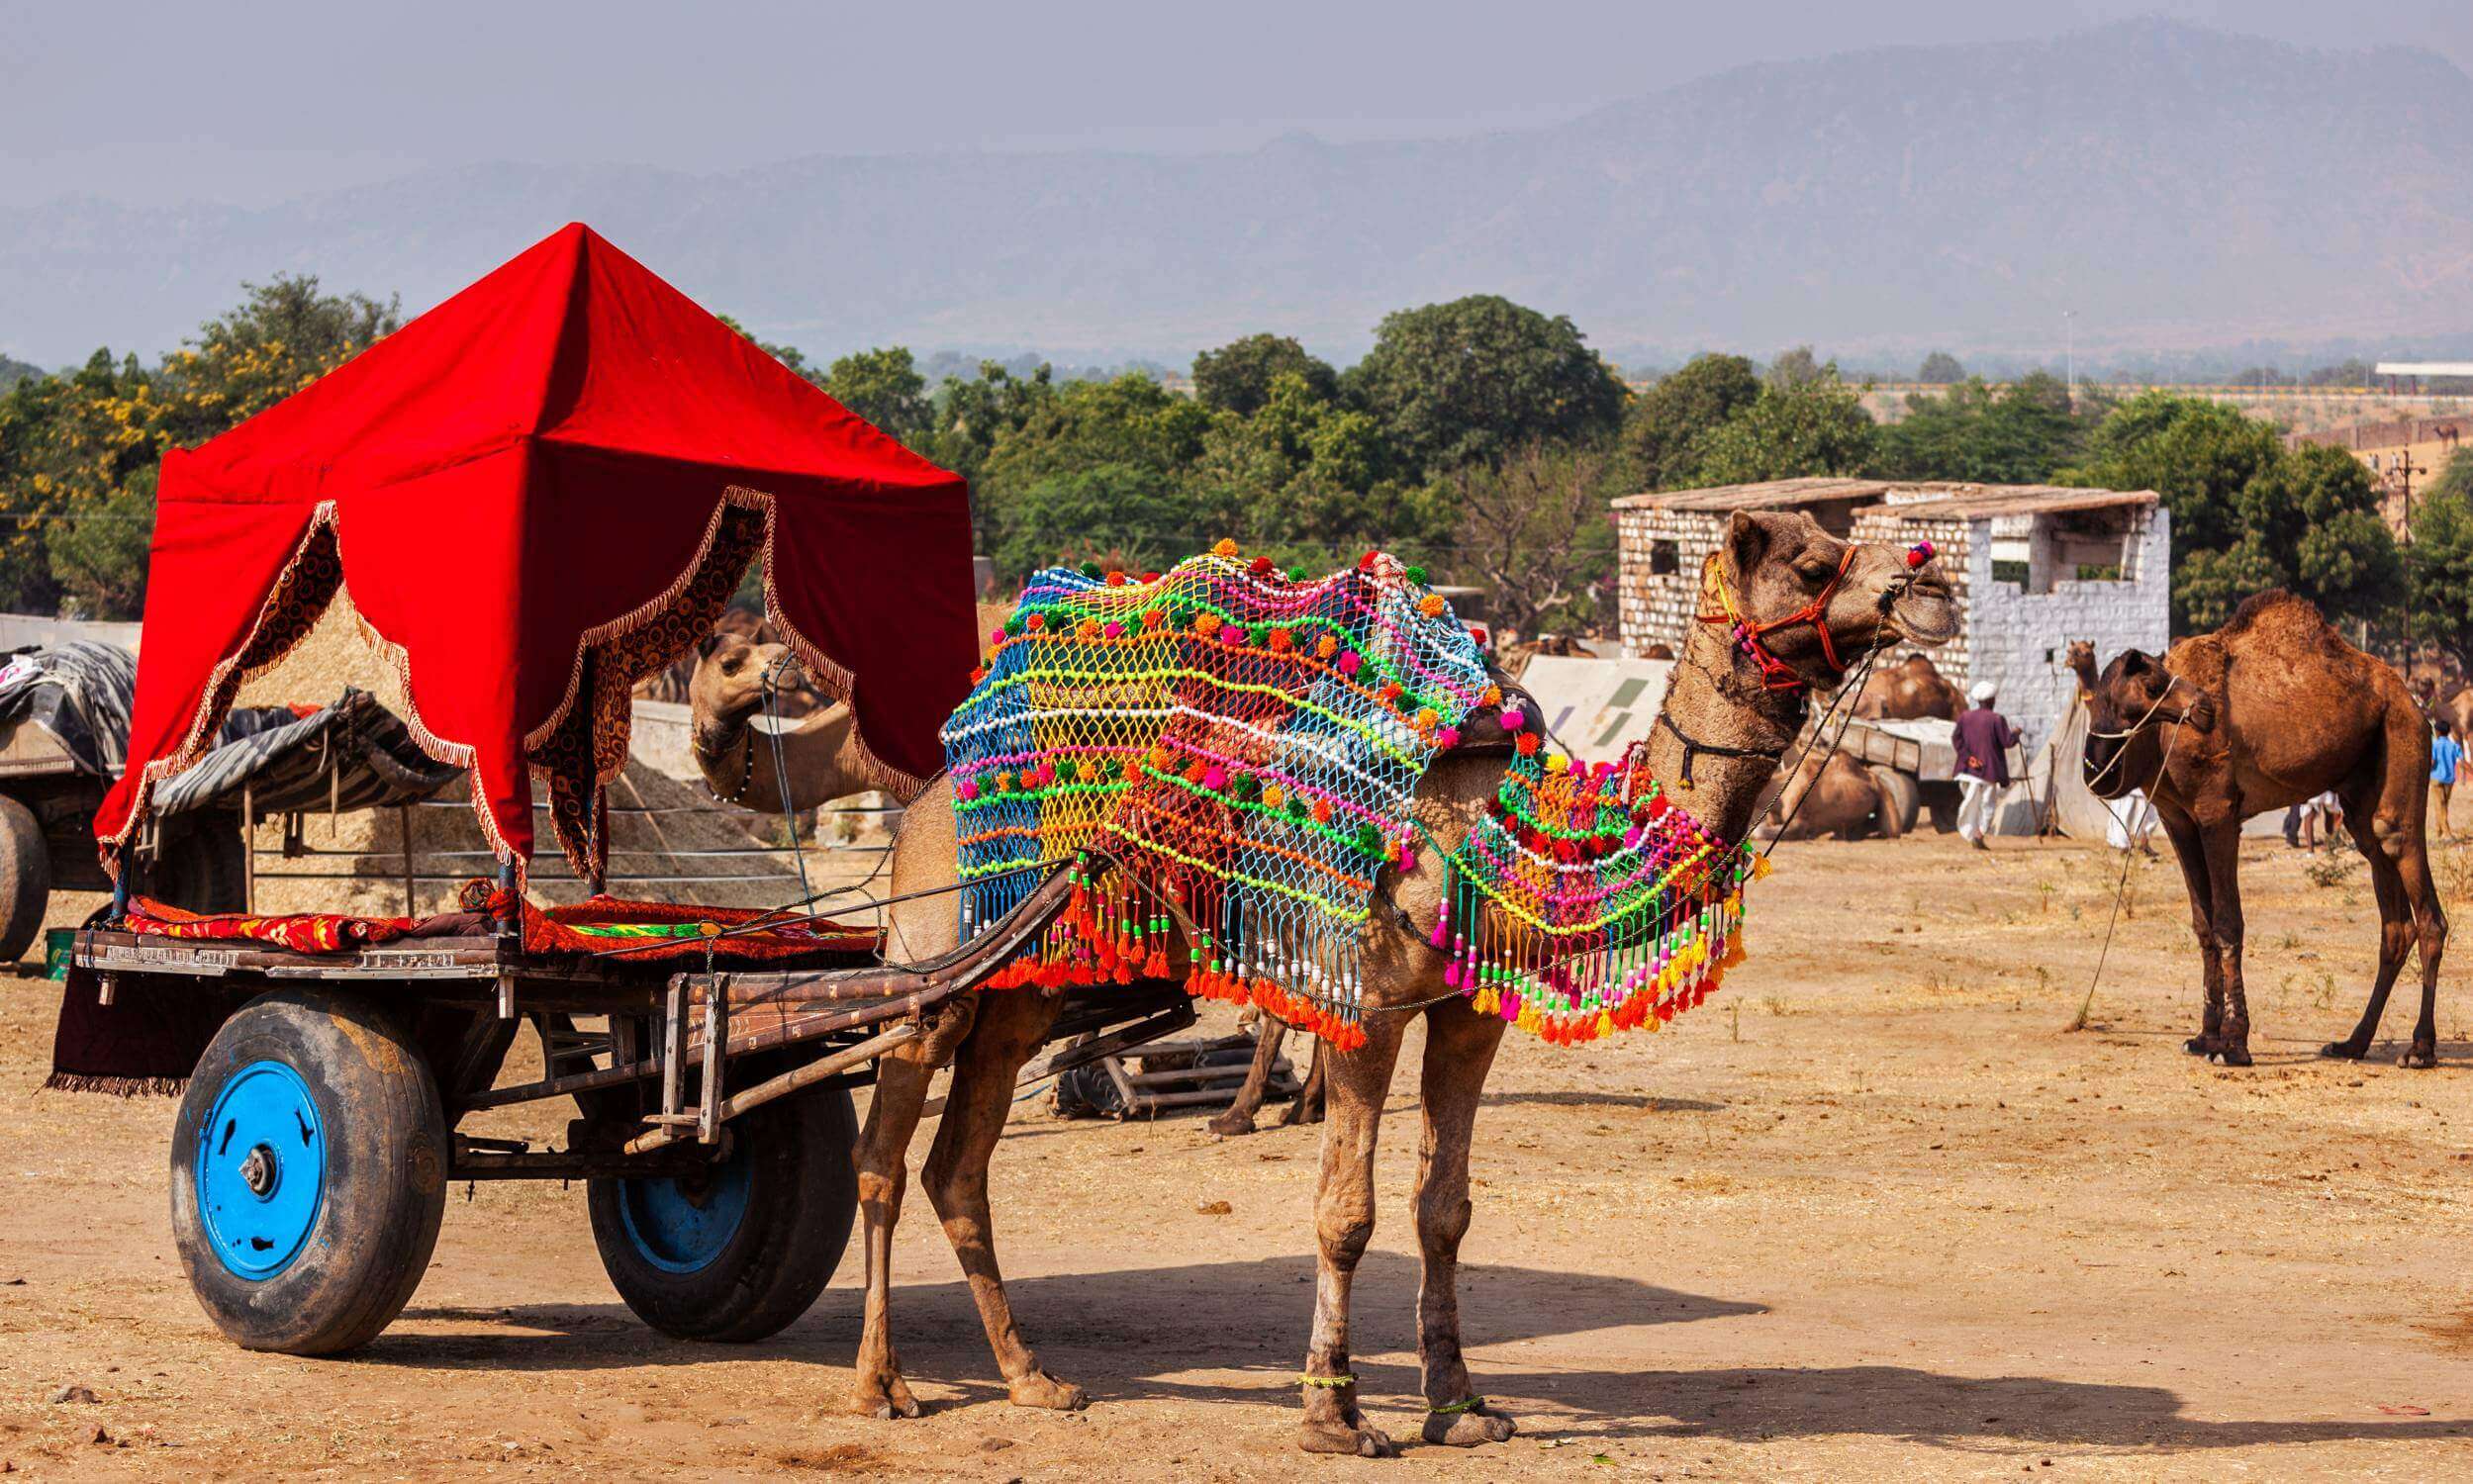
883 387
1473 380
1536 532
2199 455
285 334
1662 428
1792 428
1798 367
1939 369
2439 568
2455 477
1237 377
1076 447
2023 433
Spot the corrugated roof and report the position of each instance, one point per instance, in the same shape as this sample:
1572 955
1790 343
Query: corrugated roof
1921 500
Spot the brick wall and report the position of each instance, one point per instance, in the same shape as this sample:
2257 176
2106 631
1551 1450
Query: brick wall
1657 607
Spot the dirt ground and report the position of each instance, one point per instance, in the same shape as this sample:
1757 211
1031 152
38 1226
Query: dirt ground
1876 1209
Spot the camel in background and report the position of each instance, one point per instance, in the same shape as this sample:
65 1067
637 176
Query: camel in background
2269 710
819 751
1836 793
1777 564
1910 690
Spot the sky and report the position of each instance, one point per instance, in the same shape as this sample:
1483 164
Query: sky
155 104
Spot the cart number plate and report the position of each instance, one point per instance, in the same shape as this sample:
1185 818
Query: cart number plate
205 960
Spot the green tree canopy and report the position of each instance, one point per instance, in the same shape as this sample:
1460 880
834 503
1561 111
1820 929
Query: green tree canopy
1941 369
2439 568
1237 377
1471 380
1662 430
2199 455
883 387
2023 433
1794 427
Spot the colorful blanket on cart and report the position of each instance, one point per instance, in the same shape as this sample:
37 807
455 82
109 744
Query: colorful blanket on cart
301 932
1230 751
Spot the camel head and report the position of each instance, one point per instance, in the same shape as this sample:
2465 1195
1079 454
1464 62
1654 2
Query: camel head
2129 708
727 686
1777 564
2080 657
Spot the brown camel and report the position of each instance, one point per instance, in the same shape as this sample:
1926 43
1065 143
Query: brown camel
1836 794
818 751
1237 1119
2269 710
1909 690
1736 726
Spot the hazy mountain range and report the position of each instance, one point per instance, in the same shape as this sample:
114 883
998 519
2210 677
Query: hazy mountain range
2178 189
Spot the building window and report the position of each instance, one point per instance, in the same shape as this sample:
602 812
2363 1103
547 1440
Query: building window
1666 558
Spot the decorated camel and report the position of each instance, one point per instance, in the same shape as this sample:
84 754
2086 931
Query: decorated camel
1791 607
818 751
2269 710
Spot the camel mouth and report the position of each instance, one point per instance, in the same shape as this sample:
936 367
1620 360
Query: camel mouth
1928 621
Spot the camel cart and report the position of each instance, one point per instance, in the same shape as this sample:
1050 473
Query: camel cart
538 493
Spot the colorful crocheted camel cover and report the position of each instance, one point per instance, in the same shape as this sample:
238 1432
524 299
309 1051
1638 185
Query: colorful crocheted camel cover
1231 752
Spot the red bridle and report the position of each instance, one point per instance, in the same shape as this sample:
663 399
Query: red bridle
1777 674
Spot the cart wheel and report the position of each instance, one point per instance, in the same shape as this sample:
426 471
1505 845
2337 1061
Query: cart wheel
739 1253
308 1173
25 879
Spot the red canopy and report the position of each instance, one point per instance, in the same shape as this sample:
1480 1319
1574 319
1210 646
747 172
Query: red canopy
539 492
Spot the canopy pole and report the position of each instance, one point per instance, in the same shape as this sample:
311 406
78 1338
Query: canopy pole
511 923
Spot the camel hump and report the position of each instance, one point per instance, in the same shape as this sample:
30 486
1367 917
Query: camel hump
2279 616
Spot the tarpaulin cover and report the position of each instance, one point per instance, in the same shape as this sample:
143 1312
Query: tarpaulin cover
537 491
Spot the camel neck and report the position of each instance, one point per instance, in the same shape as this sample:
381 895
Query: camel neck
1715 699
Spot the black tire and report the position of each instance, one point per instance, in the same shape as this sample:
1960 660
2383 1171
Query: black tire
327 1281
202 867
1905 795
25 879
690 1271
1940 801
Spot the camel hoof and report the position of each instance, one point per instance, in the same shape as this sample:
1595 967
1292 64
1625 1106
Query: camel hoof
1299 1113
2344 1051
1043 1390
887 1401
2200 1045
2230 1056
1468 1430
1231 1125
2418 1056
1358 1442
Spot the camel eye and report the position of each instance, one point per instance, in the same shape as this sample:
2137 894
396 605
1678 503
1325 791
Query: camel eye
1812 570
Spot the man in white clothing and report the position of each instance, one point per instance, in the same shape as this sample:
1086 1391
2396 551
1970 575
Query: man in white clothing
1984 739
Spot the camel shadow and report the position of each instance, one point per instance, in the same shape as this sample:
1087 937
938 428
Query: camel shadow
1751 1404
1163 1320
1567 1100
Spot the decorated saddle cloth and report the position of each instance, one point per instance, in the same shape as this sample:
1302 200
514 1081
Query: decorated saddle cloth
1231 752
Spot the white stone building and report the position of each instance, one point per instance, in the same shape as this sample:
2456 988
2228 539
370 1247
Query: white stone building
2034 566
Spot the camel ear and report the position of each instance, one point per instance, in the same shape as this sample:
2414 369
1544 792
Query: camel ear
1746 541
711 642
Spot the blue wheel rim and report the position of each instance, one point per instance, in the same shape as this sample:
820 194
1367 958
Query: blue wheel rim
261 1170
682 1226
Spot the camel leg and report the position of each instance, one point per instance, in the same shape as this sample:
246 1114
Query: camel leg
2223 840
1238 1120
1011 1025
1459 1050
1307 1106
2395 933
1343 1225
884 1147
2430 928
2191 851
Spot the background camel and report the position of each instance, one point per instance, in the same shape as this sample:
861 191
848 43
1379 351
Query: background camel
2271 709
1836 793
1910 690
1719 715
817 750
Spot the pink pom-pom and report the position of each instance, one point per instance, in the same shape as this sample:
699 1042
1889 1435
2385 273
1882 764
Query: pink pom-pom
1451 975
1515 719
1441 931
1446 737
1350 662
967 788
1214 778
1229 634
1631 838
1407 859
1510 1005
1114 629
